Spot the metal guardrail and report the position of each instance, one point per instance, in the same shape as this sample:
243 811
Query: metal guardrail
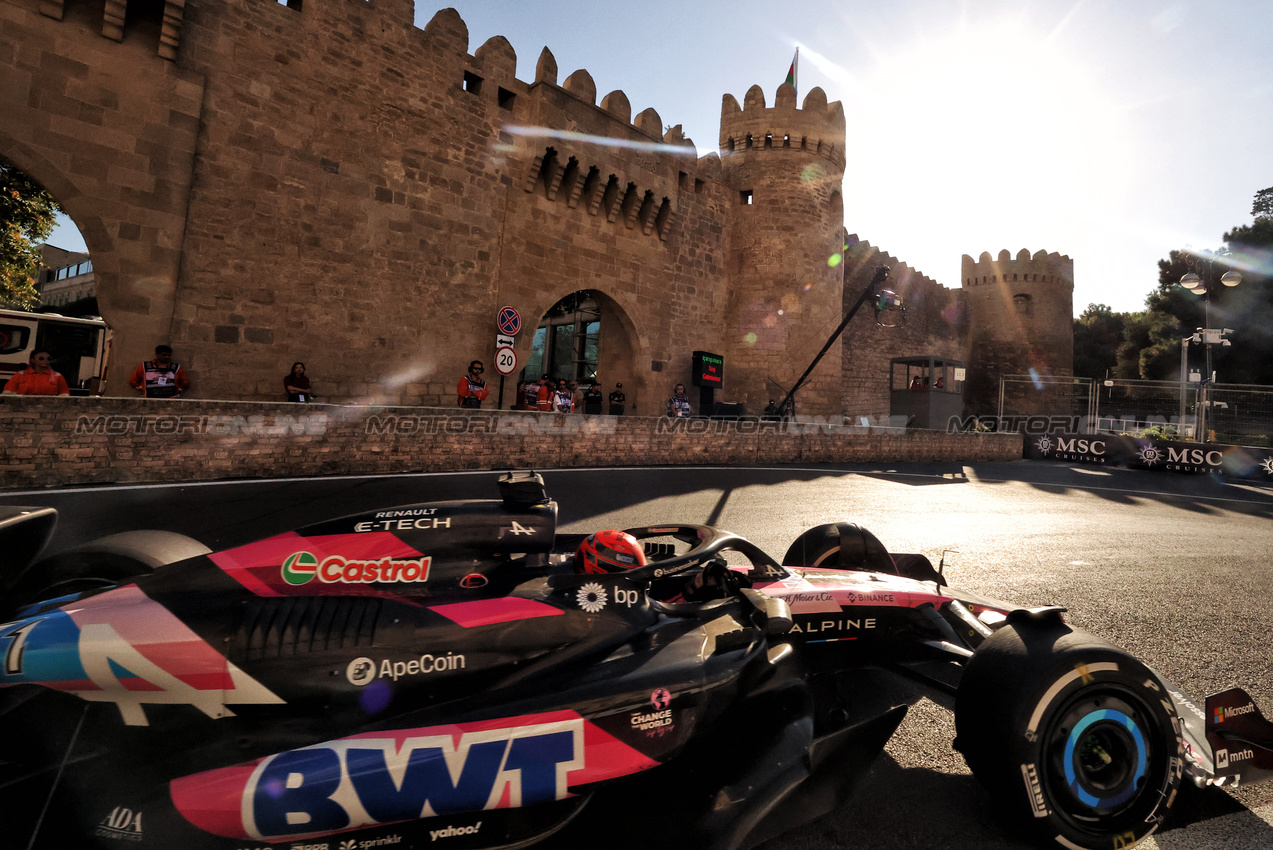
1238 414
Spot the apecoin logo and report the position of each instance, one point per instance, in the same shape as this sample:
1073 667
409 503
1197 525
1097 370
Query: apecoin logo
360 671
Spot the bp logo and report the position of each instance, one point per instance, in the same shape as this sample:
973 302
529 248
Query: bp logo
592 597
360 671
1150 455
1267 463
1044 445
300 568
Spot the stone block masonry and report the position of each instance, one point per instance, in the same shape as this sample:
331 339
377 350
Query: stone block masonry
60 442
260 182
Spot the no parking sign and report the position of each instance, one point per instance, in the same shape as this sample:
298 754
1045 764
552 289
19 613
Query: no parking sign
509 321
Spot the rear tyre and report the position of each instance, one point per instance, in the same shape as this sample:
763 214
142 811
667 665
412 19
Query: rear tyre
1075 738
104 562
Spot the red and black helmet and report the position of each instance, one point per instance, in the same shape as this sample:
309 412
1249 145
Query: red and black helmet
609 552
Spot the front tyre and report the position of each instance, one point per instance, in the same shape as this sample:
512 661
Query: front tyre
1071 735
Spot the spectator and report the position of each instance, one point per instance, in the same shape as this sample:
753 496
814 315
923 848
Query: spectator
576 397
544 399
618 401
471 388
519 397
592 399
39 378
563 398
679 404
941 384
916 384
771 410
296 383
161 377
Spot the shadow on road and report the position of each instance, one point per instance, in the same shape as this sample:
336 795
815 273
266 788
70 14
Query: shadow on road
224 514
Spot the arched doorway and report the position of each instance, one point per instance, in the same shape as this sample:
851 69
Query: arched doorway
589 338
565 344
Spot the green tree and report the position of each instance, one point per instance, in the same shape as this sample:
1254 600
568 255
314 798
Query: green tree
27 217
1098 333
1151 347
1263 205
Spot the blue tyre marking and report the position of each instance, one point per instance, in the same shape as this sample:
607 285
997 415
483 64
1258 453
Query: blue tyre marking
1141 757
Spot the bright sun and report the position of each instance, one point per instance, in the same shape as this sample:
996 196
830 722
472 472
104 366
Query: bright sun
979 139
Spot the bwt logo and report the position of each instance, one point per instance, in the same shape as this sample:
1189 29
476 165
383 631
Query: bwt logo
367 781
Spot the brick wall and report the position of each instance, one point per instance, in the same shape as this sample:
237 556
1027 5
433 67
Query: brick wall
50 442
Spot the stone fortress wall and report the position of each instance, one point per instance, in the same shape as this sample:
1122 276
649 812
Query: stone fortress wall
259 183
1021 318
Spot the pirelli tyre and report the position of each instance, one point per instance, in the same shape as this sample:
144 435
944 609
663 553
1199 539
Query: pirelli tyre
1072 736
101 563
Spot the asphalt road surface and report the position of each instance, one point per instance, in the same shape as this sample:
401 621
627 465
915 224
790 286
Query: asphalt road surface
1174 568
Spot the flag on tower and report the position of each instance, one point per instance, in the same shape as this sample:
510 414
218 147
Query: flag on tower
794 72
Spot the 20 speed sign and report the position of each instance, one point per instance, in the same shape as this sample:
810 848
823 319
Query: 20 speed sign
505 360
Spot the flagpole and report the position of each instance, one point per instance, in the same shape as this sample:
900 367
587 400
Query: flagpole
796 83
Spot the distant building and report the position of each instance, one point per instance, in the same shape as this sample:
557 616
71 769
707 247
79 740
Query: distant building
64 276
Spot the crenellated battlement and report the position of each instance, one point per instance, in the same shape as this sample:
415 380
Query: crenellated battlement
817 127
401 184
1040 268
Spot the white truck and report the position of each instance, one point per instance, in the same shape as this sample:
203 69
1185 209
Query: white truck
80 347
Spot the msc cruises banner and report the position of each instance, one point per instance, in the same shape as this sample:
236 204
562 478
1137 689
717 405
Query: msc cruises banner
1142 453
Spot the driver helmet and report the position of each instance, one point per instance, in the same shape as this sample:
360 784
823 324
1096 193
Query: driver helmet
609 552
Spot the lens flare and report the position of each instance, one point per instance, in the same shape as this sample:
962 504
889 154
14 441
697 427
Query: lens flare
834 260
750 339
812 173
604 141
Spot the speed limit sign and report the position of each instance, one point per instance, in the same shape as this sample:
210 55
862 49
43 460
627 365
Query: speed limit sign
505 360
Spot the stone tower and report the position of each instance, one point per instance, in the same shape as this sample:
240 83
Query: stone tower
1021 312
785 165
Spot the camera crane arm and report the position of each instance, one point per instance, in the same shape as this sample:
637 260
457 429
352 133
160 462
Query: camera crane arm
881 274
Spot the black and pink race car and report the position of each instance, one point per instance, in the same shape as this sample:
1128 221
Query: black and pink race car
439 672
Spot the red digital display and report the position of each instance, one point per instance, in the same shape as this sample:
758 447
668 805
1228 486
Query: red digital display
708 370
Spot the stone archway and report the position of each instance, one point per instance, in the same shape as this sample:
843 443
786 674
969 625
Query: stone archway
111 134
601 338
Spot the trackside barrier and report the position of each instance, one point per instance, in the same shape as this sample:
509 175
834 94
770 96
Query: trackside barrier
1247 462
51 442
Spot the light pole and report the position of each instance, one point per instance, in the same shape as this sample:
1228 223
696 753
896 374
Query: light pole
1204 284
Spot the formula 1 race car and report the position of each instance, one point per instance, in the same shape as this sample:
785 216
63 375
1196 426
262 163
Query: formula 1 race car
444 672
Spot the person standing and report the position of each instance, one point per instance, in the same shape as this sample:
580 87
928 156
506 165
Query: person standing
544 398
161 377
618 401
592 399
530 395
472 389
679 404
39 378
296 383
563 398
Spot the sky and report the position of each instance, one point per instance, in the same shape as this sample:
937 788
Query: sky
1110 131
